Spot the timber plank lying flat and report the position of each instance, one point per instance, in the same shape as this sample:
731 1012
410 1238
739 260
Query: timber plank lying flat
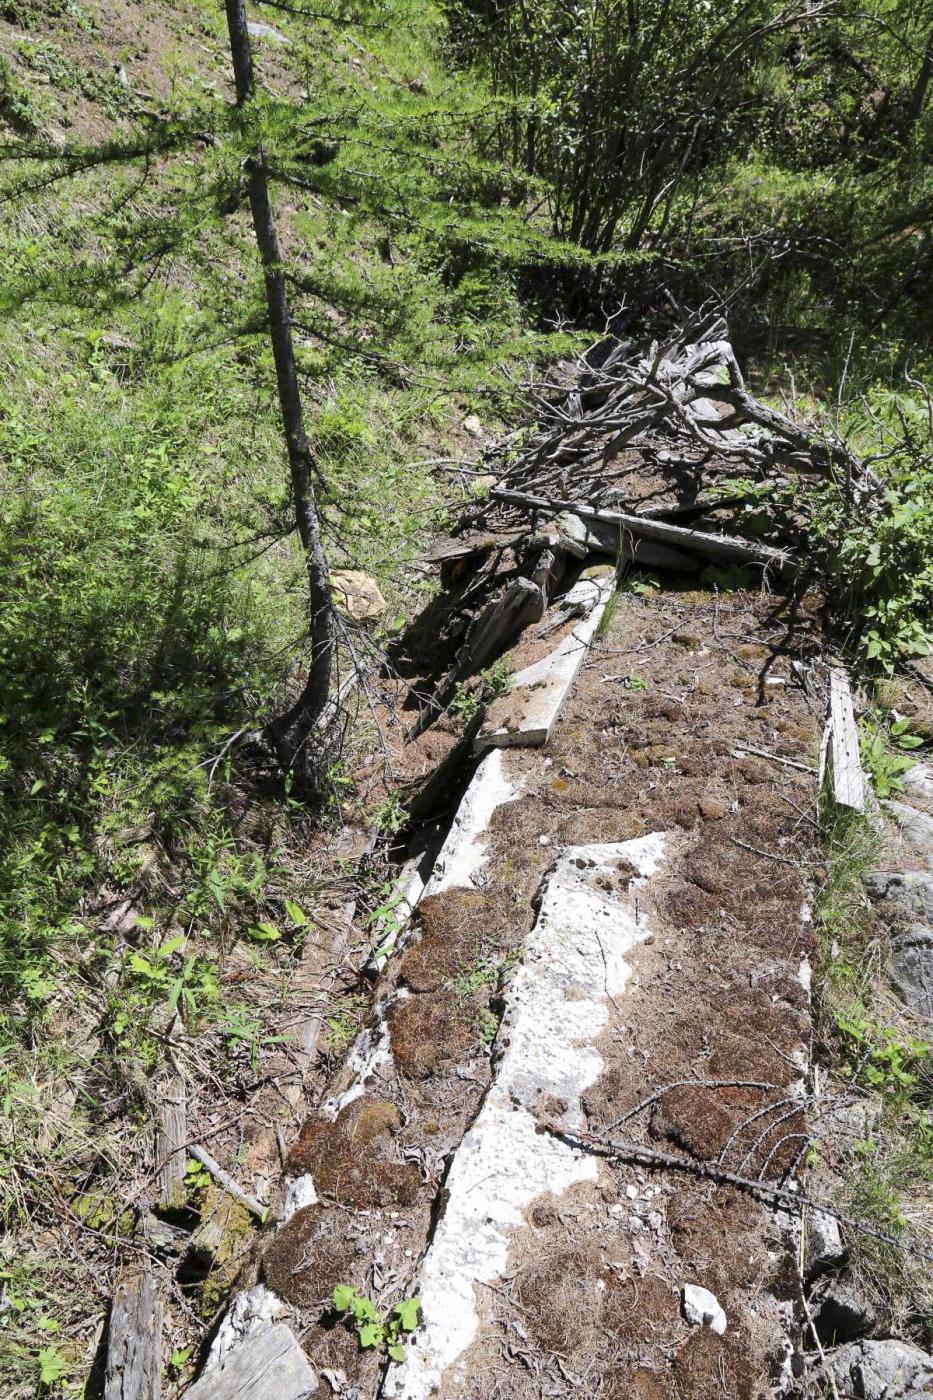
134 1344
267 1365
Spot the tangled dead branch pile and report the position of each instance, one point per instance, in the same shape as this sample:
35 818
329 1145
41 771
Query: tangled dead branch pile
683 408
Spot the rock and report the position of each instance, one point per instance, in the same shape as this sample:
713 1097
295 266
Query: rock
918 784
910 968
359 594
701 1308
916 827
824 1250
474 427
911 889
258 30
886 1370
845 1312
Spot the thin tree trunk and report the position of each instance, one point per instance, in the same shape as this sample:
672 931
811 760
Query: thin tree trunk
292 731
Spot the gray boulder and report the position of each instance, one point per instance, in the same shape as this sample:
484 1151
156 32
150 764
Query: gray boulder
887 1370
910 968
909 889
916 827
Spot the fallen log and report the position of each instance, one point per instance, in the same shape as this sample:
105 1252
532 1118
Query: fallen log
722 548
134 1340
171 1144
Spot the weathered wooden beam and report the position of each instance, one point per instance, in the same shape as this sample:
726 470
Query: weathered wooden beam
134 1341
847 776
724 548
171 1142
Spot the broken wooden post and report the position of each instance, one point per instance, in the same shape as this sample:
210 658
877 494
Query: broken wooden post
134 1341
170 1144
847 776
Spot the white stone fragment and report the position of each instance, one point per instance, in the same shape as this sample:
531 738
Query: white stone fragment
701 1308
557 1006
299 1192
539 691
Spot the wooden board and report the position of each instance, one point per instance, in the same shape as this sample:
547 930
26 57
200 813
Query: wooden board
267 1365
134 1341
848 779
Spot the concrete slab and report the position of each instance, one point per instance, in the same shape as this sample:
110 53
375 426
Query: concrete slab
528 711
557 1005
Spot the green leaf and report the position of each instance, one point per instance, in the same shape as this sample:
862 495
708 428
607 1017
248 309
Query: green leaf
171 946
371 1334
295 912
343 1297
52 1365
264 933
396 1351
37 786
407 1313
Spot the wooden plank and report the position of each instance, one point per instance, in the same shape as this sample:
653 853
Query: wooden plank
134 1340
171 1144
267 1365
848 779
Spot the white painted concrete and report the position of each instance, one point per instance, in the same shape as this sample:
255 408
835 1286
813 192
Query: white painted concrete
557 1006
463 854
528 711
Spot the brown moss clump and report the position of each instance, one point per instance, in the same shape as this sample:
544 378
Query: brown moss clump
426 1031
709 1368
687 907
347 1157
636 1310
560 1301
721 1240
695 1119
306 1258
451 939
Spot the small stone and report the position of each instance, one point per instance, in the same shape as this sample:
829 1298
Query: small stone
631 1191
473 426
258 30
824 1244
544 840
359 594
701 1308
